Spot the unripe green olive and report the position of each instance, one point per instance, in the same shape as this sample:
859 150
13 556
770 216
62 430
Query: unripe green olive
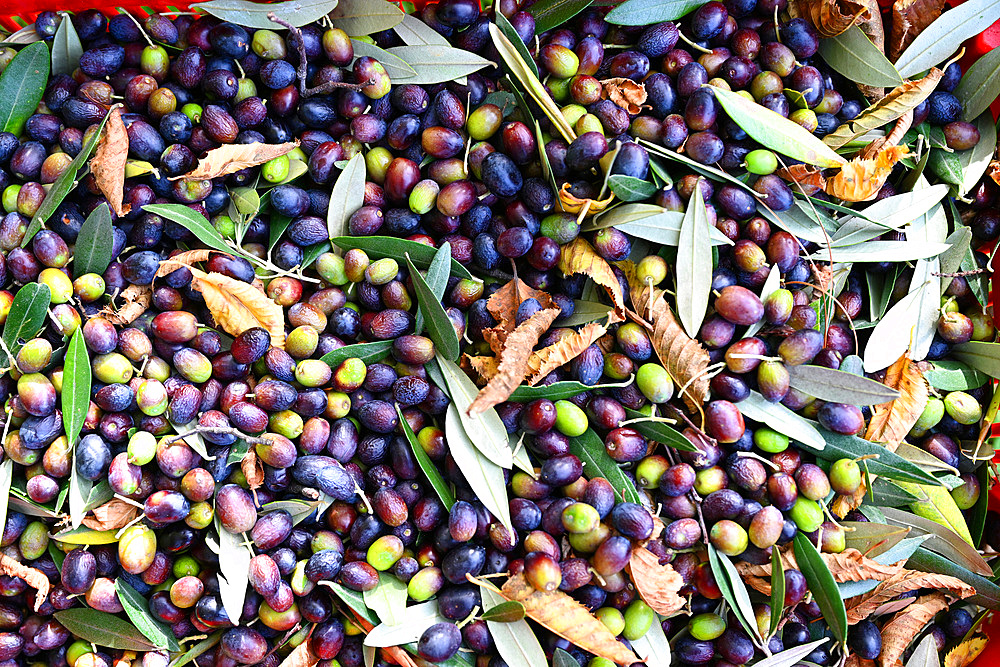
639 618
761 161
770 441
806 514
571 420
706 627
89 287
612 619
423 196
932 414
268 44
484 122
654 382
651 269
34 356
275 170
382 271
137 549
34 540
112 367
962 407
331 268
384 552
425 584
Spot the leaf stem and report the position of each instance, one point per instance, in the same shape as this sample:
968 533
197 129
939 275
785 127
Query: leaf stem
220 430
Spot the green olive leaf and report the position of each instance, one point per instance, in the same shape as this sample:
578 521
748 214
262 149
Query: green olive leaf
103 629
734 591
630 188
436 63
398 249
197 649
658 431
254 15
980 85
777 132
439 326
436 279
976 160
347 196
838 386
92 252
987 592
395 67
979 355
485 478
590 449
505 612
926 653
549 14
791 656
413 31
387 599
515 642
852 54
822 585
522 49
367 352
486 431
192 221
66 47
22 86
416 619
234 568
137 609
783 420
364 17
777 592
951 537
648 12
25 317
426 465
694 283
653 647
945 35
949 375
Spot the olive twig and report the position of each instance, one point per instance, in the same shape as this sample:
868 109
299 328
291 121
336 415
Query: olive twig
301 69
220 430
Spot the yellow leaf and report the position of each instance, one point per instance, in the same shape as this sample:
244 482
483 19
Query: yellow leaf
569 619
904 582
514 360
579 256
185 258
966 652
485 367
904 626
572 204
658 584
108 163
937 504
861 178
684 358
237 306
230 158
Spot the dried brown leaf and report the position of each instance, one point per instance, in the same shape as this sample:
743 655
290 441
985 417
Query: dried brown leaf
873 27
137 299
809 179
547 359
514 361
252 469
230 158
902 126
656 583
570 203
684 358
34 578
484 367
237 306
112 515
909 18
580 257
185 258
853 660
830 17
848 565
861 179
569 619
505 301
904 626
108 163
966 652
301 656
863 606
626 93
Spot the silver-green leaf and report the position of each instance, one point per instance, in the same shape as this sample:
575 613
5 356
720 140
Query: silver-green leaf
694 284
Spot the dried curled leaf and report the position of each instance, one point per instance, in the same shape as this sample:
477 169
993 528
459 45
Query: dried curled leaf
861 179
547 359
900 99
830 17
904 626
570 203
252 469
237 306
657 584
909 18
966 652
580 257
302 656
809 179
514 360
484 367
569 619
904 582
112 515
108 163
185 258
505 301
875 30
34 578
848 565
137 299
902 126
626 93
684 358
230 158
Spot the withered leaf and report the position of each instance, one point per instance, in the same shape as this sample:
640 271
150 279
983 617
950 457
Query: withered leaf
966 652
905 581
898 101
909 18
112 515
684 358
569 619
570 203
485 367
230 158
657 584
108 163
136 301
626 93
34 578
185 258
861 179
505 301
899 130
873 27
830 17
301 656
580 257
237 306
904 626
252 469
547 359
848 565
514 360
809 179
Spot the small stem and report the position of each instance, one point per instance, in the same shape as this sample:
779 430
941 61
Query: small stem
302 69
697 47
221 430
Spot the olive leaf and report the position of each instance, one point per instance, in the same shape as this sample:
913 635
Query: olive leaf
975 161
694 274
192 221
801 220
485 478
6 476
653 647
822 585
436 280
829 384
415 620
505 612
648 12
944 36
198 649
987 592
777 132
926 653
137 609
367 352
734 591
771 285
791 656
66 47
980 85
485 430
103 629
630 188
22 85
647 221
852 54
92 252
420 254
254 15
426 465
364 17
563 659
387 599
979 355
413 31
76 386
347 196
782 420
435 63
515 642
658 431
395 67
562 389
777 592
891 213
589 448
949 375
25 317
549 14
234 568
944 540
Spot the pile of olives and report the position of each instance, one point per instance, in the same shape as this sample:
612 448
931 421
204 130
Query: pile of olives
177 403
